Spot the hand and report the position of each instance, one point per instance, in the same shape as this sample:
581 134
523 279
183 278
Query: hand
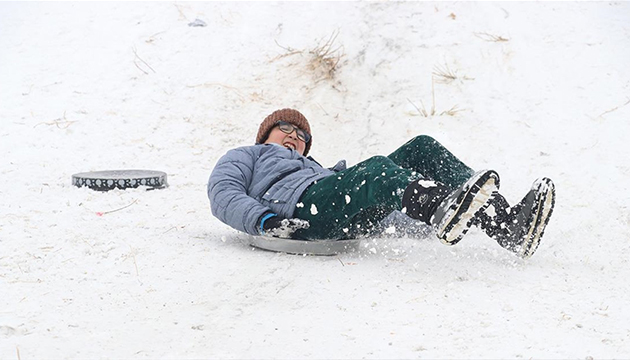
280 227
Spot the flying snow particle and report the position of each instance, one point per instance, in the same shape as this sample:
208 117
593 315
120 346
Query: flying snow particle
391 230
313 209
300 205
348 199
427 183
345 230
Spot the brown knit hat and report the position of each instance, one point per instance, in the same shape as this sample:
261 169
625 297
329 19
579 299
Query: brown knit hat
289 115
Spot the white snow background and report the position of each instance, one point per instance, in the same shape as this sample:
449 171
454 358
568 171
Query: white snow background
534 89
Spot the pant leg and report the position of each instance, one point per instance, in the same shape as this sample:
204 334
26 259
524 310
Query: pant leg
347 204
432 160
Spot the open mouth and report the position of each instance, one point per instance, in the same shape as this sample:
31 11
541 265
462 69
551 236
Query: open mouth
289 145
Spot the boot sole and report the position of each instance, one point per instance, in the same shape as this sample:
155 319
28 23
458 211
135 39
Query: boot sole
545 200
475 199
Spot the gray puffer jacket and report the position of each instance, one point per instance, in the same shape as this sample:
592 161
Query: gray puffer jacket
251 180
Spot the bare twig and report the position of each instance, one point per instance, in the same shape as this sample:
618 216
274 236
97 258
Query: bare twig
288 49
151 38
173 227
181 13
135 52
57 123
60 123
17 350
490 37
424 110
289 52
135 263
614 109
414 105
135 63
433 96
320 106
111 211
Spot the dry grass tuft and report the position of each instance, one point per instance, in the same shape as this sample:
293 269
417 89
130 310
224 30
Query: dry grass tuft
444 74
323 60
454 110
326 57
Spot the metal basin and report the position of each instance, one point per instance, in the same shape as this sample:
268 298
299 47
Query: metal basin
314 247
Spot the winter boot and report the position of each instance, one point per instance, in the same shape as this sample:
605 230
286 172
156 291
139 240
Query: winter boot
450 212
520 228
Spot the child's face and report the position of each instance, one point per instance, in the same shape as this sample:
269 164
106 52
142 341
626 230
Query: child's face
290 141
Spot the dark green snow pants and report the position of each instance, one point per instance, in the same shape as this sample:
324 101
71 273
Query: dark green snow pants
351 202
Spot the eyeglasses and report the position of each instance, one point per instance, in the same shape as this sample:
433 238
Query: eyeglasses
288 128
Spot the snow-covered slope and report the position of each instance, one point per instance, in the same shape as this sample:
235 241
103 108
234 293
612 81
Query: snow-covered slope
528 89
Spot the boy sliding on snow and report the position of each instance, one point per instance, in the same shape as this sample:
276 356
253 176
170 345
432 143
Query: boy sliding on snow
272 188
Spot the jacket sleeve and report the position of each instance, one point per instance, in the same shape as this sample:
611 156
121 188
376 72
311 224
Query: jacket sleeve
227 191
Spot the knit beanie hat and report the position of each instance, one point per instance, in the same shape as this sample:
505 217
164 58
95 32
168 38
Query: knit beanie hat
289 115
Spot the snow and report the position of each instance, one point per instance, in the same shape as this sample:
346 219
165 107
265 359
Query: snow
426 184
528 89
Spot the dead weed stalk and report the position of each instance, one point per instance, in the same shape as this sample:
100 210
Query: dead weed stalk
445 75
491 37
454 110
138 61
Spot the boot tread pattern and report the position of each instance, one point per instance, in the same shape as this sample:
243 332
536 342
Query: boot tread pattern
459 218
546 202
